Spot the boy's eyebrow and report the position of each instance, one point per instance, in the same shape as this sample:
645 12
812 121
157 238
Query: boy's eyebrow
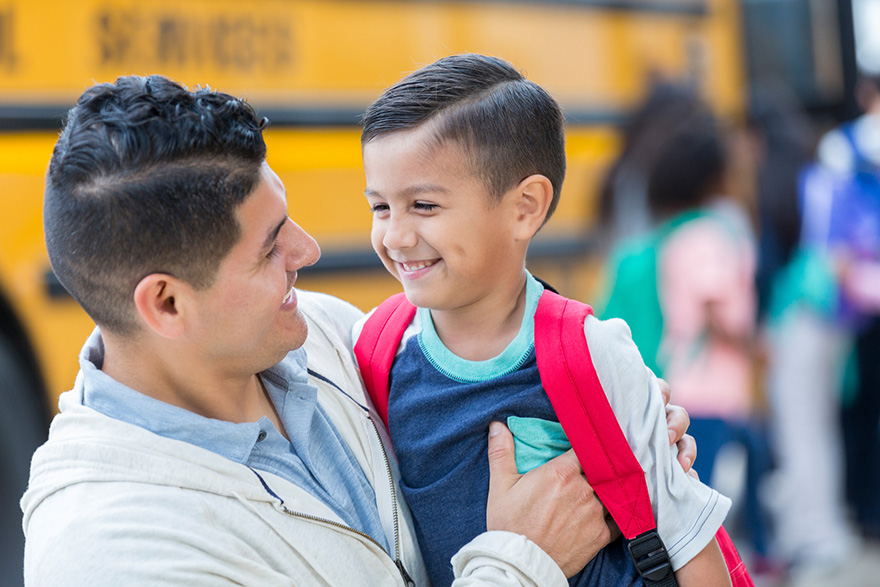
273 234
428 188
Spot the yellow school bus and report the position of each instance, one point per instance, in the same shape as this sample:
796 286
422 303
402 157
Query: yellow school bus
311 67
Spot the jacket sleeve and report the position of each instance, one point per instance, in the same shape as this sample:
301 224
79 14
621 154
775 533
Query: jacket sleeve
503 559
688 513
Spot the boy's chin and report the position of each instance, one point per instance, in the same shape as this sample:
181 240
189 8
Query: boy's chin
416 297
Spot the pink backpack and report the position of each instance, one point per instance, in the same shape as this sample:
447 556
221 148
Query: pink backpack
571 383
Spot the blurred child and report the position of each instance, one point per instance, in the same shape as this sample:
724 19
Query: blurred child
842 217
688 286
623 197
464 161
806 346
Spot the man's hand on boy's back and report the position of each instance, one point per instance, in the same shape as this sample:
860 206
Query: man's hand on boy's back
553 505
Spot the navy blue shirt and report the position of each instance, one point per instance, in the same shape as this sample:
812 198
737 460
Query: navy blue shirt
439 415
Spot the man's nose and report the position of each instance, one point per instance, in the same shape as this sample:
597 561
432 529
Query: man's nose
305 250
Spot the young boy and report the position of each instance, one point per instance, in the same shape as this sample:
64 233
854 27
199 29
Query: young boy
464 160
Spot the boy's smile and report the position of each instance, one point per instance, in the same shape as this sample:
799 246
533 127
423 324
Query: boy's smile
436 227
415 269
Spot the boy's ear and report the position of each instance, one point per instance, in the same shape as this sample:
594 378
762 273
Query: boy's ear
533 197
159 300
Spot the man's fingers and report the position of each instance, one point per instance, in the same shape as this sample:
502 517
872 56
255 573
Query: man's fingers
677 422
567 463
665 390
502 458
552 505
687 452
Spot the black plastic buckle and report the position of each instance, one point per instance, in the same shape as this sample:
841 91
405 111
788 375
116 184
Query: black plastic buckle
649 556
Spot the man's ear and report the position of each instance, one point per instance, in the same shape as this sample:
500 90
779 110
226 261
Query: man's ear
533 197
158 299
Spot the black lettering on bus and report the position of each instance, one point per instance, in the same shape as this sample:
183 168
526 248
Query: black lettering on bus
117 32
246 45
217 37
171 41
8 56
243 43
281 45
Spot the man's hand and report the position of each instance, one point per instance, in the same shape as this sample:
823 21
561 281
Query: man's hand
553 505
677 422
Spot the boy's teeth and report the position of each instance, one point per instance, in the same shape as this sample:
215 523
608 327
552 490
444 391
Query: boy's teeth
417 266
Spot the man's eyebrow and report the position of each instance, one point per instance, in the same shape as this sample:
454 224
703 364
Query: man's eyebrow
270 238
415 190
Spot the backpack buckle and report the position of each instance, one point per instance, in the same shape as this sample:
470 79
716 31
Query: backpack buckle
649 556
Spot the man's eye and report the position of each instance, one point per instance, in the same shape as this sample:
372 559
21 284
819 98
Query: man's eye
273 252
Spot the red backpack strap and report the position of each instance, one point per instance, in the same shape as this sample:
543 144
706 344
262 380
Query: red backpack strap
377 346
580 403
571 383
570 380
739 574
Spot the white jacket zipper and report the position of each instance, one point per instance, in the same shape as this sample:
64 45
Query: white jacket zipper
407 579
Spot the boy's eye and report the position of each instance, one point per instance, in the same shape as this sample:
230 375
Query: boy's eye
378 208
425 206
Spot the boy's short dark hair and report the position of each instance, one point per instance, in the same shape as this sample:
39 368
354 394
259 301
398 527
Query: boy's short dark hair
508 126
146 178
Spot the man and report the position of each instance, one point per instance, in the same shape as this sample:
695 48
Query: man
196 446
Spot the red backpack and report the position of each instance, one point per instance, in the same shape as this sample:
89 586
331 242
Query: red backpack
571 383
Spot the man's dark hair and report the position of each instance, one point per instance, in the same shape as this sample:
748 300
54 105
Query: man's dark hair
145 178
508 127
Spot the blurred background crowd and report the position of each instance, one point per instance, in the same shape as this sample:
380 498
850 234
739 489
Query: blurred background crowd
722 196
762 313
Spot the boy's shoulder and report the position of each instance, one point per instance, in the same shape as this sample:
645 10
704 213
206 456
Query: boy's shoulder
412 329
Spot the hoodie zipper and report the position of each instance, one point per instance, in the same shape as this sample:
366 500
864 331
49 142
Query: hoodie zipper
407 579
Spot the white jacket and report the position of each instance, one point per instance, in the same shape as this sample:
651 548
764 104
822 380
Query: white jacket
110 503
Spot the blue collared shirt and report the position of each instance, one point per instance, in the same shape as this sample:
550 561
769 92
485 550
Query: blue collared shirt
315 459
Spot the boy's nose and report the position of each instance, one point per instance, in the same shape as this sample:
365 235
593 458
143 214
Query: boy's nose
399 235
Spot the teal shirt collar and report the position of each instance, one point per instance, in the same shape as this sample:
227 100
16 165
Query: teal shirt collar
510 359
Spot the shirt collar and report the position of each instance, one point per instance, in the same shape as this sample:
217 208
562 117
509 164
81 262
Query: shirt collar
512 358
234 441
